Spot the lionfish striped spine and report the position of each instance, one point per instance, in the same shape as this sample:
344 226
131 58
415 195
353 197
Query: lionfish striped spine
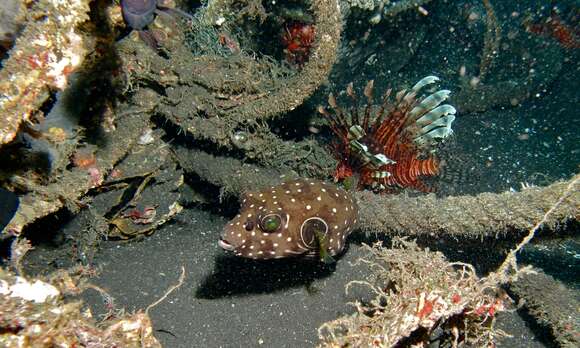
390 145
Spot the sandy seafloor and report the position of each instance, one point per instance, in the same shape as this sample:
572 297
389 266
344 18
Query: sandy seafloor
231 302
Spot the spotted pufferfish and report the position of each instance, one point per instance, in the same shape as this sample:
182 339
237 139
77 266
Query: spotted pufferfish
302 217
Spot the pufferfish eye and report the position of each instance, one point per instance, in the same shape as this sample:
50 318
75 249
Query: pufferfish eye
270 223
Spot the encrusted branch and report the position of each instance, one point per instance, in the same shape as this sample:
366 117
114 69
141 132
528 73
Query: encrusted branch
211 96
487 214
44 54
558 311
42 200
232 175
491 40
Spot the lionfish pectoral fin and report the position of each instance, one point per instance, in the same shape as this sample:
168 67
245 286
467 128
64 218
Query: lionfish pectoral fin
322 248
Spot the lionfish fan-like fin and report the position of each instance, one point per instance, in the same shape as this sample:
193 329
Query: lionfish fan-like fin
429 104
427 80
368 92
337 120
380 114
436 134
443 122
436 114
399 96
354 109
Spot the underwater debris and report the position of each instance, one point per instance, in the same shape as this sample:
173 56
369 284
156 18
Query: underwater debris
231 175
41 200
504 215
47 51
390 146
416 288
297 39
12 13
211 97
558 311
35 314
298 218
142 195
416 292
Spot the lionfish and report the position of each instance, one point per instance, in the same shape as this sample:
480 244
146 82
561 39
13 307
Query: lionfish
390 145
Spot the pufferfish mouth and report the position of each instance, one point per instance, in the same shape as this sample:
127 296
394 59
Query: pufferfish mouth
225 245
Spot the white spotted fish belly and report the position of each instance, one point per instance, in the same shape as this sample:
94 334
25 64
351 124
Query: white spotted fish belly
301 217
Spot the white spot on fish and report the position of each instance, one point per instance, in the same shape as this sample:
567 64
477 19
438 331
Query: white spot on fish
334 210
308 207
318 198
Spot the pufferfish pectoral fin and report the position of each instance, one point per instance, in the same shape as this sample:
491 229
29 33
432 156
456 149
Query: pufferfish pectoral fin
313 232
323 248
